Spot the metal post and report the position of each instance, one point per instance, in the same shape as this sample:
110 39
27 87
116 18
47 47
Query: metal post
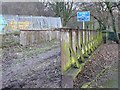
83 25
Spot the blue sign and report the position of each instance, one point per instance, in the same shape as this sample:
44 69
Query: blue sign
83 16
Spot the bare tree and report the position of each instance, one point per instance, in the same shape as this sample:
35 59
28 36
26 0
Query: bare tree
104 13
111 7
26 8
65 10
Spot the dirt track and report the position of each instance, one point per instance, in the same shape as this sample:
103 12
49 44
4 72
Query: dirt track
43 70
38 71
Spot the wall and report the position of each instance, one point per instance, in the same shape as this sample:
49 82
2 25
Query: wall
31 37
15 22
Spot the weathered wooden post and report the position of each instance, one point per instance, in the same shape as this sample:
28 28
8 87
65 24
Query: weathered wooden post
65 53
95 38
50 36
72 44
89 51
37 37
74 40
23 37
28 37
1 40
32 41
58 35
22 41
87 41
41 36
69 58
54 34
65 57
92 36
74 48
91 41
80 53
84 44
32 36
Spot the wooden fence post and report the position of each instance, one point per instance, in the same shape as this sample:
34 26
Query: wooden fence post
65 53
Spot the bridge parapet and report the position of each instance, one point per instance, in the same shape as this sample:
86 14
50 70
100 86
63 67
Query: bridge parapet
76 48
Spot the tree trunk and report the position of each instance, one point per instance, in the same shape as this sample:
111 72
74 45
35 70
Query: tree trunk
113 21
114 27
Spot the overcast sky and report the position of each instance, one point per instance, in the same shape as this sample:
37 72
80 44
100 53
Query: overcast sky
58 0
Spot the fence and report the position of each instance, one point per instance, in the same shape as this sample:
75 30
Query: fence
76 45
31 37
16 22
76 48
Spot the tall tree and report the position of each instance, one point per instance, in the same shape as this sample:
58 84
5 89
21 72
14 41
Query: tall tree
97 12
111 7
104 13
65 10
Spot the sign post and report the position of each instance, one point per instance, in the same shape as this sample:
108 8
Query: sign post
83 25
83 17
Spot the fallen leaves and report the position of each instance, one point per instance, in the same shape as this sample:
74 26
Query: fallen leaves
102 59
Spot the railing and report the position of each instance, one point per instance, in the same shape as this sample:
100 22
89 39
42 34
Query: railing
77 45
31 37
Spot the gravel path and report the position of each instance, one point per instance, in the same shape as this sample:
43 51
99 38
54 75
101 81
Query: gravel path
39 71
105 56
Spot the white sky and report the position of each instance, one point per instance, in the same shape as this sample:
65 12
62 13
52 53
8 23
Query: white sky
56 0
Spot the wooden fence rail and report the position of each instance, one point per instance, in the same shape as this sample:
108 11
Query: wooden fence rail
31 37
76 45
76 48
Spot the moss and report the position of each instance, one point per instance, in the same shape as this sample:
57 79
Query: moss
66 53
86 85
87 47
